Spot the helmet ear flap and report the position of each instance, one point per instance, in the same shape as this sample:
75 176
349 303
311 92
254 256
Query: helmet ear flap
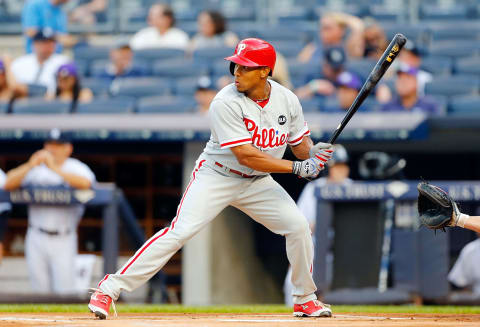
232 67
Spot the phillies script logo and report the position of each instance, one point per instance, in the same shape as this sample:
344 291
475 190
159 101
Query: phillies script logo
265 138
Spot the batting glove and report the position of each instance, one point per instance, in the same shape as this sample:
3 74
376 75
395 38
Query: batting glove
322 151
309 168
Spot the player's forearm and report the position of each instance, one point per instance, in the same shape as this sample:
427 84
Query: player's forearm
75 181
473 223
251 157
16 176
302 151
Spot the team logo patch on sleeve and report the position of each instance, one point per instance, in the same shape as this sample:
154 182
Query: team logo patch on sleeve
282 119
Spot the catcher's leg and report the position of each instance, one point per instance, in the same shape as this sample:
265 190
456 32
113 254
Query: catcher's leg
207 194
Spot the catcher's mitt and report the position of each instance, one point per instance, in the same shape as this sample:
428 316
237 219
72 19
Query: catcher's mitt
436 208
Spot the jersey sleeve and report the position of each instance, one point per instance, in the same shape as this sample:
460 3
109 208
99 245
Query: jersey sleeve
298 125
227 125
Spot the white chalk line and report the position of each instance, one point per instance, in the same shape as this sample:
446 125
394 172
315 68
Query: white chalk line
33 319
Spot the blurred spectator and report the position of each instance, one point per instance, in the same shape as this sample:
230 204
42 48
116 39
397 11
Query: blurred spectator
51 241
121 63
5 208
411 56
89 12
204 94
466 271
161 33
322 83
407 98
39 67
333 31
40 15
348 85
212 32
9 89
338 173
69 88
375 40
281 74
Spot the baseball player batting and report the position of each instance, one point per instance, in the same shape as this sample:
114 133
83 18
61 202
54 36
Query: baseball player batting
252 122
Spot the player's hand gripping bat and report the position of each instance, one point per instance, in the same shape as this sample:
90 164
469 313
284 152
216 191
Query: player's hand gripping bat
376 74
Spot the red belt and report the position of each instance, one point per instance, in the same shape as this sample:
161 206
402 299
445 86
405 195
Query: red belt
234 171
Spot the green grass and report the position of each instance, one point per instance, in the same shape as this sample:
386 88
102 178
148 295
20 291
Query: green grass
148 308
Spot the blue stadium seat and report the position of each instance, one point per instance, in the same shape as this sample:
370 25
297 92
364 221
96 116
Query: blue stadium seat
40 106
415 32
454 31
437 65
140 87
36 90
165 104
467 66
362 67
300 70
313 104
99 86
97 67
3 107
465 105
185 86
152 55
220 68
384 14
458 12
118 105
208 54
456 49
454 85
179 68
289 49
90 53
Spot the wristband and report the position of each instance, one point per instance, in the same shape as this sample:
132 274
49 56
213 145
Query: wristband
296 167
462 218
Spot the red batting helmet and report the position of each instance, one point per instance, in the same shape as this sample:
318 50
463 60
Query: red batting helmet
253 53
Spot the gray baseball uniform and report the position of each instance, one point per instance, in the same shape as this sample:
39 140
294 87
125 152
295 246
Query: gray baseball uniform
219 180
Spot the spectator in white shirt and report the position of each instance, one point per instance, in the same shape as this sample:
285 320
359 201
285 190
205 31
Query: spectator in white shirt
40 66
161 33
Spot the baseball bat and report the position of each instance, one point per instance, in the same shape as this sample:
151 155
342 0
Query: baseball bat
376 74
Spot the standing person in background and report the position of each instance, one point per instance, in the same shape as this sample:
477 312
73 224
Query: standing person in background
338 172
5 208
121 63
333 30
161 33
204 94
375 40
212 32
40 66
38 15
51 241
89 12
69 88
407 98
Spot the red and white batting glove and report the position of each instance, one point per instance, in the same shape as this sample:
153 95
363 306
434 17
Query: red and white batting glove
322 151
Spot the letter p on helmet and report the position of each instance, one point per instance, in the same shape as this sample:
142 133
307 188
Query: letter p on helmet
241 47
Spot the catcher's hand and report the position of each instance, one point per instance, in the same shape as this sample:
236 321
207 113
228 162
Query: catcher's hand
436 208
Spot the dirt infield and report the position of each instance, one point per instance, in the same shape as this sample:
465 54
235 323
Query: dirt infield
234 320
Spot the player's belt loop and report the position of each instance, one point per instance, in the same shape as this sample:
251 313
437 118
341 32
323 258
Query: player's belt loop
233 170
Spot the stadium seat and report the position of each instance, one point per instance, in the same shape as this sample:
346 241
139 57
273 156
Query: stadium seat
289 49
414 32
165 104
3 107
457 49
118 105
175 68
467 66
300 70
219 68
36 90
185 86
90 53
362 67
97 67
458 12
437 65
40 106
454 85
99 86
208 54
140 87
465 105
152 55
313 104
454 31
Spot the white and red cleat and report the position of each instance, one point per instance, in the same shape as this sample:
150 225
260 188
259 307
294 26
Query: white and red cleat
313 308
100 304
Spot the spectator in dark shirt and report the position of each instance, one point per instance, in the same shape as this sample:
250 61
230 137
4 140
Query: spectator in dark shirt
121 63
407 98
322 83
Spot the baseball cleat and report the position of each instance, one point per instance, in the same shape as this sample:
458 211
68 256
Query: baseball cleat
100 304
313 308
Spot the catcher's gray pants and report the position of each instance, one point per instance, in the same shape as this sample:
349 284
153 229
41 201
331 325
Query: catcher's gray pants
210 191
